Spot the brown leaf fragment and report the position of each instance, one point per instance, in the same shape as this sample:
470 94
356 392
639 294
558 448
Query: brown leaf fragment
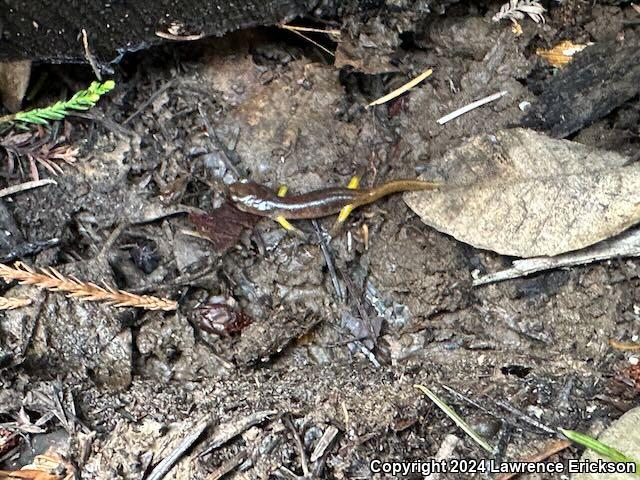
524 194
562 53
45 467
223 226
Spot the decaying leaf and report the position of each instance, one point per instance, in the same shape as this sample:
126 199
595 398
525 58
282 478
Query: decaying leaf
562 53
524 194
44 467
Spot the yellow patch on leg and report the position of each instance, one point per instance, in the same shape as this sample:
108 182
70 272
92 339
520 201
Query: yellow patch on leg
353 184
284 223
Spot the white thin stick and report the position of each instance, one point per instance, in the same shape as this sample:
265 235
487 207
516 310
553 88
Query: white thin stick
471 106
21 187
399 91
624 245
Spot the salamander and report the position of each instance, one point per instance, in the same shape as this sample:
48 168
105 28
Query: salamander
252 197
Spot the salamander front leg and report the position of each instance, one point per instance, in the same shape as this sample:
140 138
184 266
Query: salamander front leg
353 184
284 223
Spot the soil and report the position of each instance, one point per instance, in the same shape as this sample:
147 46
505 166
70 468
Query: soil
127 386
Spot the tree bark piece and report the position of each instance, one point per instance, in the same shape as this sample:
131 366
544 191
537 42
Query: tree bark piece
51 31
599 79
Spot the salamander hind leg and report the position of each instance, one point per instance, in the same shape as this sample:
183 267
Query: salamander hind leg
353 184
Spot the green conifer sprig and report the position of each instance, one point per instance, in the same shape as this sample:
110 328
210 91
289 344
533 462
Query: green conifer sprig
82 100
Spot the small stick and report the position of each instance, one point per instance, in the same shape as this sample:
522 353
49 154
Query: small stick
170 460
325 441
471 106
552 449
624 245
227 431
525 418
22 187
28 249
329 262
340 295
296 437
89 56
445 452
399 91
227 466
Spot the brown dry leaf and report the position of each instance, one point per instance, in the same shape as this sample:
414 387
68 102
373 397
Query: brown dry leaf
524 194
49 466
562 53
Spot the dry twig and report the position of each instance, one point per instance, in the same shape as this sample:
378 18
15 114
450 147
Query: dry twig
550 450
51 279
626 244
176 454
5 192
89 56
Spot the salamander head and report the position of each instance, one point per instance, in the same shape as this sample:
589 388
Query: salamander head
249 196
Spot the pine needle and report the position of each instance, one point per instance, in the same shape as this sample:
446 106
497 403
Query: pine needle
333 32
51 279
82 100
457 419
600 448
399 91
11 303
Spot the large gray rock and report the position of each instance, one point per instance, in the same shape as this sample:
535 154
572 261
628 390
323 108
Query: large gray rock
624 435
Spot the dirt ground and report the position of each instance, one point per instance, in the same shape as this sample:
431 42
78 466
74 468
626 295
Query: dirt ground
321 381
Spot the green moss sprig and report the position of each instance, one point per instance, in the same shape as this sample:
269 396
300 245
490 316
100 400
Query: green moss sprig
82 100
